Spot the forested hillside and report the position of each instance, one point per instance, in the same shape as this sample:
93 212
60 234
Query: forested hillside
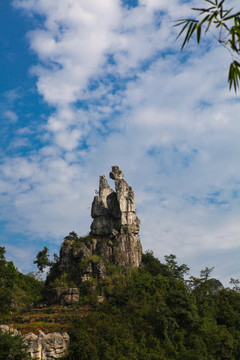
149 312
152 313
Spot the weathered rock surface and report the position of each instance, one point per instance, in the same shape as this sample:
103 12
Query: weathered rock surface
63 296
215 285
47 346
43 346
113 237
114 210
115 220
8 328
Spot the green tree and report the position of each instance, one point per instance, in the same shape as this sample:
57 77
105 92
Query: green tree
12 347
236 284
205 274
178 270
2 253
227 25
42 260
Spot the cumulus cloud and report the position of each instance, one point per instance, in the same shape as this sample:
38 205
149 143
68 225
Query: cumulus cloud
123 94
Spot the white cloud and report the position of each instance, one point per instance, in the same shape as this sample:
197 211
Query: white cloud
168 122
10 115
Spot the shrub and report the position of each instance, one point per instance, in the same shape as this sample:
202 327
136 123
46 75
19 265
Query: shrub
12 347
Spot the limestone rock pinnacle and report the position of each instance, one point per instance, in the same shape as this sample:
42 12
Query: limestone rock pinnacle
114 210
113 239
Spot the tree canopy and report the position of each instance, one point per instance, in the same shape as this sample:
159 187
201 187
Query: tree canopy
150 313
42 259
12 347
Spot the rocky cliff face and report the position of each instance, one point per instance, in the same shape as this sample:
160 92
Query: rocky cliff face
43 346
47 346
63 296
113 237
115 221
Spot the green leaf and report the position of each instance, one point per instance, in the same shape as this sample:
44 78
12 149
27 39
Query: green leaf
211 2
220 4
184 27
191 29
204 19
231 16
198 33
204 10
234 75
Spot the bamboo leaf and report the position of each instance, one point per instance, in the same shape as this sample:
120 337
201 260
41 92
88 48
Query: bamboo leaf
198 33
184 27
209 24
220 4
226 12
204 20
211 2
230 76
191 29
232 16
204 10
234 75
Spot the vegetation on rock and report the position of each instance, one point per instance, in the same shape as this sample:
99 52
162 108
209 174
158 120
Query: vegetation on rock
150 312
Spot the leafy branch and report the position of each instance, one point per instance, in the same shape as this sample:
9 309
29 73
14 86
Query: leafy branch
228 25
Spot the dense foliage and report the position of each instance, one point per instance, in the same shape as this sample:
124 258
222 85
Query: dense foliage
17 290
12 347
152 313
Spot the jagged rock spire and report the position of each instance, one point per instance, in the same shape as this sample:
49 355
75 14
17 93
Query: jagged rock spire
114 210
113 237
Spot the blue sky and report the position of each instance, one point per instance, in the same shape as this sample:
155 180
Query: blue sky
86 85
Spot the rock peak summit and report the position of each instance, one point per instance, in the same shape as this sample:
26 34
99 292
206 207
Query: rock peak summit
114 210
113 240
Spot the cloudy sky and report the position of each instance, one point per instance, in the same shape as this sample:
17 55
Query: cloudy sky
87 84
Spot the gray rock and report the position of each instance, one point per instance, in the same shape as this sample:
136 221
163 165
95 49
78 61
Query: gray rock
113 236
47 346
114 210
43 346
63 296
9 328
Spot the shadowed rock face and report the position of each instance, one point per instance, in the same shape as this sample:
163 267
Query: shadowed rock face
63 296
114 210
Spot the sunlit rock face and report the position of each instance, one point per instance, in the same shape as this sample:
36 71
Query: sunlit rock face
113 239
47 346
114 210
42 346
115 222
